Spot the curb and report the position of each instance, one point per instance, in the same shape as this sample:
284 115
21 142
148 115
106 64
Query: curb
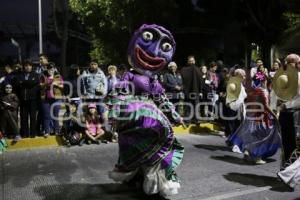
37 142
55 141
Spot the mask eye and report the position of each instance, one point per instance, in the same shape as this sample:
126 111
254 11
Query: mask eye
166 47
147 36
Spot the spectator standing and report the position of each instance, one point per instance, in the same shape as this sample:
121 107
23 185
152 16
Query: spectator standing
95 87
29 95
173 83
223 81
191 84
214 76
41 70
214 82
112 78
51 92
43 58
253 70
74 88
261 68
205 90
275 67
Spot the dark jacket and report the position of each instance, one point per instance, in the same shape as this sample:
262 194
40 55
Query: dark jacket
73 92
205 87
11 99
171 80
28 89
191 80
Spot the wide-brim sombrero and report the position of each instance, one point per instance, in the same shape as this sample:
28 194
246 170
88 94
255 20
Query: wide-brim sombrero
233 88
285 83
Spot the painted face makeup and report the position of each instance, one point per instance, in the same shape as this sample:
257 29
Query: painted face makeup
150 49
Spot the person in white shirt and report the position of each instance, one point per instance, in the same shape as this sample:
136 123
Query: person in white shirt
235 104
287 92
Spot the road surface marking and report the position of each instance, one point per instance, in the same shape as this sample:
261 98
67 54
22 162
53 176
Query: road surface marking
238 193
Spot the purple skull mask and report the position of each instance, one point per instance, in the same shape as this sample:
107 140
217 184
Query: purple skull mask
150 49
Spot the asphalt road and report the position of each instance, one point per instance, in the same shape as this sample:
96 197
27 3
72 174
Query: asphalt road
209 172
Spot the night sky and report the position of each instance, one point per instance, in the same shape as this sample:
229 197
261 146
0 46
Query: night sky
23 11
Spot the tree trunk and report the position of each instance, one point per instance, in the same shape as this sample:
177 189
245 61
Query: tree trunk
64 39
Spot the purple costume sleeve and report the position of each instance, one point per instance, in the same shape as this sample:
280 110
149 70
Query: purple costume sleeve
124 81
156 88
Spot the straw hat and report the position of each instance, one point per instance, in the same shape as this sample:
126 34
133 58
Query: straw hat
285 83
233 88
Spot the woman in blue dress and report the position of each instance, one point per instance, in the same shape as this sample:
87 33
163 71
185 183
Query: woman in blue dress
258 136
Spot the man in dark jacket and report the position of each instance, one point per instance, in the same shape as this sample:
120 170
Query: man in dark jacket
29 94
192 85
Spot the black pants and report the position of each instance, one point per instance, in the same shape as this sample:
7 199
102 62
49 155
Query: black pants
288 133
28 109
191 110
8 123
231 125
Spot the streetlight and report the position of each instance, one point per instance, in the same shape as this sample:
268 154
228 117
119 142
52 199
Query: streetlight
40 28
16 44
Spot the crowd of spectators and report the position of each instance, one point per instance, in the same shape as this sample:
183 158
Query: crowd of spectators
33 98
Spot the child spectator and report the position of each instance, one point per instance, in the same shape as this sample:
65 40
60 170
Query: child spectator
93 129
112 78
9 113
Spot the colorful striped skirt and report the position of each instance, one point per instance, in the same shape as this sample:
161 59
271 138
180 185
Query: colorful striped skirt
146 142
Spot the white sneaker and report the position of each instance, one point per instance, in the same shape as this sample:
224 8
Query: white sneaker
260 162
236 149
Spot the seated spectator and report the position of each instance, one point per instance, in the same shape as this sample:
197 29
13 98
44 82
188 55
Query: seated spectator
51 92
93 130
71 128
9 113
